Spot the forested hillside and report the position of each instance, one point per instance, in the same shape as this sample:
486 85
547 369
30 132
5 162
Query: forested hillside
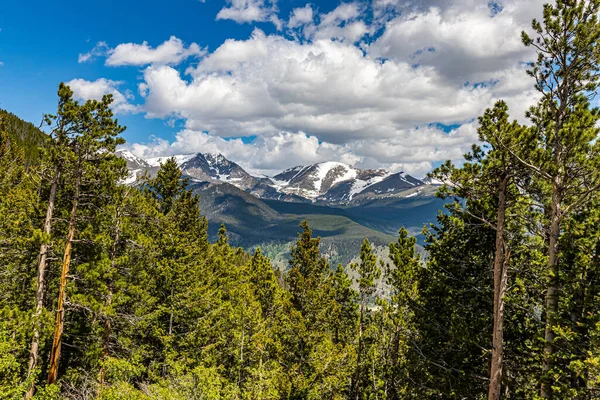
110 291
26 135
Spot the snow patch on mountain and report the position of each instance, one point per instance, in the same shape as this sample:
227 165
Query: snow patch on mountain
327 182
179 159
360 185
326 168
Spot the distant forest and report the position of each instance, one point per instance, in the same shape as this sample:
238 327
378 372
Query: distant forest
113 291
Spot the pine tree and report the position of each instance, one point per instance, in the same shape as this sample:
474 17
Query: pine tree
404 280
344 315
182 243
489 177
308 268
92 136
564 153
54 158
368 274
168 185
264 282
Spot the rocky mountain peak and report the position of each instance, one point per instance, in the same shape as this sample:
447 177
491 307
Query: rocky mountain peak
325 182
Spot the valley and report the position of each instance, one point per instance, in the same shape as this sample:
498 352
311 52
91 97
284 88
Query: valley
342 204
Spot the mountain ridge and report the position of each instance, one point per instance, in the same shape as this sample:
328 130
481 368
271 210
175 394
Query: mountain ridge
329 182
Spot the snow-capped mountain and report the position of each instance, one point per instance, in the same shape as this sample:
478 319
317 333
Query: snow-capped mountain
135 165
326 182
334 182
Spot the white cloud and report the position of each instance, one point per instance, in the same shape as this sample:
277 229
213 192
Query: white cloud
86 90
371 104
99 50
271 154
170 52
301 16
464 44
247 11
343 12
342 23
331 89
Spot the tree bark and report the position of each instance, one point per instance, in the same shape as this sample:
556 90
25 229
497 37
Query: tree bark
60 312
500 282
553 290
40 288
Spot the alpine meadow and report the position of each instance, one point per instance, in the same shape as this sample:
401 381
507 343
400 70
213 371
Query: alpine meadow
194 269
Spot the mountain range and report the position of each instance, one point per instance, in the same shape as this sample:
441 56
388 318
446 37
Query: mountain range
343 204
325 183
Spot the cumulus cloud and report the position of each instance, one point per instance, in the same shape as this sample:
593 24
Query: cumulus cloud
267 84
367 91
170 52
247 11
87 90
301 16
265 155
342 23
273 153
466 42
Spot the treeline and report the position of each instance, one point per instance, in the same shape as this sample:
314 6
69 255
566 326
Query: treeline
114 292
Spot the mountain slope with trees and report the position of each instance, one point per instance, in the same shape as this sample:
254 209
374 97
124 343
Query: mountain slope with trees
113 291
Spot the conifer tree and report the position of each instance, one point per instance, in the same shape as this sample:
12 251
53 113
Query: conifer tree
564 151
404 279
368 274
344 315
18 237
92 139
264 282
182 243
489 177
307 269
54 157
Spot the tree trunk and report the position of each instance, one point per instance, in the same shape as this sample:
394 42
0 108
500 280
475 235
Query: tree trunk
553 289
60 312
358 356
500 281
40 288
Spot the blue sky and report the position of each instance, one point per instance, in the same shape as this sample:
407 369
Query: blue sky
40 41
272 85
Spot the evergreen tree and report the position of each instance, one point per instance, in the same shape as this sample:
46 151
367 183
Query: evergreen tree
344 315
18 237
564 152
91 133
368 273
488 179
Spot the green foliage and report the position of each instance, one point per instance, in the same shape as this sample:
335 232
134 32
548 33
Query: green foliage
154 310
25 136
